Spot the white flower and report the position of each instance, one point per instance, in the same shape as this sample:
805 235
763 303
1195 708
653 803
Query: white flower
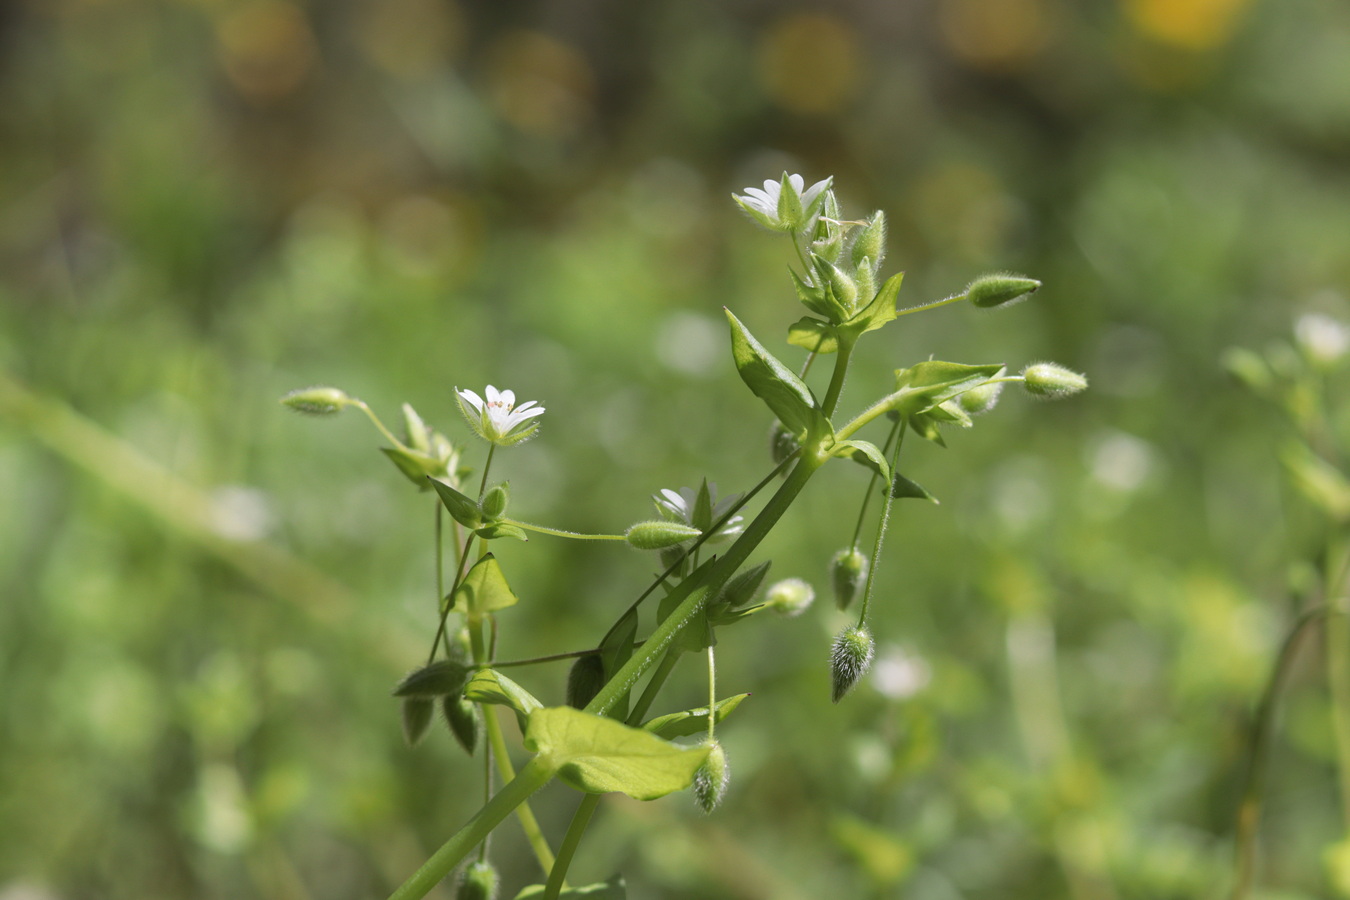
683 506
794 211
1324 339
498 420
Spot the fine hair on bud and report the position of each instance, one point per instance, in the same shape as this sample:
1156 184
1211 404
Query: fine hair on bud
1052 381
417 713
479 882
850 658
980 399
317 401
710 782
1000 289
848 574
495 501
461 717
584 680
657 535
790 597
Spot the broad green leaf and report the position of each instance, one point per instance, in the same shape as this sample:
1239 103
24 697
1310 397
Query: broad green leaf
484 589
903 488
614 889
1320 481
881 310
814 335
461 508
774 383
929 383
491 686
598 755
501 530
867 454
692 721
436 680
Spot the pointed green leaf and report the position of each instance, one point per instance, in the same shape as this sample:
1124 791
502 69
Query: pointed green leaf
903 488
501 530
774 383
484 589
789 202
461 508
882 308
814 335
811 296
614 889
491 686
867 454
692 721
598 755
436 680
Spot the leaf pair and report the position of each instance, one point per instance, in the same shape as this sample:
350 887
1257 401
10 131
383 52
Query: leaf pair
480 518
822 336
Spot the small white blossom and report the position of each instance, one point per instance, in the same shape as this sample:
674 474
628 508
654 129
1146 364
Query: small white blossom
498 419
682 506
1324 339
770 208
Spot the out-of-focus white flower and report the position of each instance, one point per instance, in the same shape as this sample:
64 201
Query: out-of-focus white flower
498 419
682 506
1324 339
784 205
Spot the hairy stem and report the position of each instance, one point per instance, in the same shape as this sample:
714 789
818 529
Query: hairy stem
533 833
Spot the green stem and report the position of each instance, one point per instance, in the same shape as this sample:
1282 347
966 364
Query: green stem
881 532
568 849
867 497
558 532
528 823
954 298
533 776
370 414
846 343
712 694
1338 673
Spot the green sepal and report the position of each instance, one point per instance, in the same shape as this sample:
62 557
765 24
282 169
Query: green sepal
416 712
741 588
903 488
614 889
814 335
491 686
599 755
461 508
881 310
789 203
436 680
415 465
494 530
701 516
484 589
926 428
928 384
692 721
811 296
462 718
786 395
866 454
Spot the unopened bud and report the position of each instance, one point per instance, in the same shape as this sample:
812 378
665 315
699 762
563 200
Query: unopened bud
740 589
317 401
657 535
416 717
415 430
790 597
710 782
479 882
870 242
1000 289
461 716
495 501
980 399
585 680
850 658
848 573
782 443
1052 380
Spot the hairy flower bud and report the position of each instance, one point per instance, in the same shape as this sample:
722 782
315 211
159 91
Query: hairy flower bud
479 882
657 535
1052 380
741 588
710 782
1000 289
317 401
495 501
980 399
790 597
848 573
417 713
584 680
461 716
850 658
415 431
870 242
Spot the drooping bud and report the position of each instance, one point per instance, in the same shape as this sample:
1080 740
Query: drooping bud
848 573
479 882
790 597
416 717
461 716
495 501
1052 380
442 677
1000 289
710 782
317 401
850 658
980 399
585 680
740 588
657 535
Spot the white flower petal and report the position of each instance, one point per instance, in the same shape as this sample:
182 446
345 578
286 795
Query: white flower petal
472 399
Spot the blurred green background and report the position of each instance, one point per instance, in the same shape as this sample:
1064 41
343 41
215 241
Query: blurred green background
206 600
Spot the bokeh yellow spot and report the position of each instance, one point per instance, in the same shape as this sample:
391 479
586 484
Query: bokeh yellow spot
410 38
1188 24
539 84
810 63
267 48
996 34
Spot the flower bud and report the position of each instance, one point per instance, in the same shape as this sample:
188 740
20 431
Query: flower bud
317 401
585 680
1000 289
870 242
740 588
848 573
782 443
415 431
479 882
710 782
461 716
657 535
980 399
495 501
850 658
790 597
416 717
1052 380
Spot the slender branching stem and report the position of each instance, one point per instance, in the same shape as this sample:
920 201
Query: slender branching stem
528 823
846 342
559 532
881 531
